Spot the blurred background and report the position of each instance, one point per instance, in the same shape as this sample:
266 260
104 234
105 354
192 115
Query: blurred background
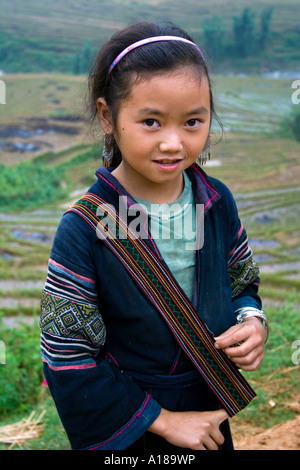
48 159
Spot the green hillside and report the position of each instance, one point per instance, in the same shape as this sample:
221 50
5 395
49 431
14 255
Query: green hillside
260 167
62 35
47 161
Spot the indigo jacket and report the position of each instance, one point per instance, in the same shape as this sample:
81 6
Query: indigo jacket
98 329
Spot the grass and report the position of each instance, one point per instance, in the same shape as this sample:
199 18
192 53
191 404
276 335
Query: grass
41 95
20 395
30 184
276 382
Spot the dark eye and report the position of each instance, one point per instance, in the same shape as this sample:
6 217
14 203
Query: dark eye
193 122
151 123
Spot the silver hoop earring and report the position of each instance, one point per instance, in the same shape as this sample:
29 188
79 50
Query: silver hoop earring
205 154
108 149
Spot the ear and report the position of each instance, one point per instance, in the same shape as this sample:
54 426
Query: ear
105 116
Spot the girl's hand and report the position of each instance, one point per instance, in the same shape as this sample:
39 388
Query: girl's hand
249 354
193 430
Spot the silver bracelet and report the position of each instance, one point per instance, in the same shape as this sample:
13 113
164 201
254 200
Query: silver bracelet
246 312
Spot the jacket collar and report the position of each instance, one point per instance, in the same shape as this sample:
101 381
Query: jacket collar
203 189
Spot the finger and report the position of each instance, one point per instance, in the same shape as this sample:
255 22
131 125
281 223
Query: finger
210 444
250 364
201 447
238 334
220 416
250 361
245 352
217 437
240 351
231 338
227 333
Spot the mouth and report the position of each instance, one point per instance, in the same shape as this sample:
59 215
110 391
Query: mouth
168 163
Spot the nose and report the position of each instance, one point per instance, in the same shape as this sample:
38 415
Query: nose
171 142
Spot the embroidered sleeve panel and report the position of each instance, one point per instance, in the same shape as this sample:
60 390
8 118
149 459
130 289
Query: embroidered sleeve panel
242 268
64 317
69 306
243 273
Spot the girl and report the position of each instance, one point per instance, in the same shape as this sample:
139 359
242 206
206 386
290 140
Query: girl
134 325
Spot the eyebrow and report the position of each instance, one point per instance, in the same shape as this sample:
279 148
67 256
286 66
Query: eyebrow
201 110
149 111
156 112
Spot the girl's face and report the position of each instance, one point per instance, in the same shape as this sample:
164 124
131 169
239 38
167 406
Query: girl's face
161 129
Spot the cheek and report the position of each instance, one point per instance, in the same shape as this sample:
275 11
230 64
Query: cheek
199 144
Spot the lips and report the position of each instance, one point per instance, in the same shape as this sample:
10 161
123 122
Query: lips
168 163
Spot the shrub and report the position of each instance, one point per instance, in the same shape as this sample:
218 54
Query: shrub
21 375
290 126
28 185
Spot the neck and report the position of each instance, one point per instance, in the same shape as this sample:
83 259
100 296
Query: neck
158 193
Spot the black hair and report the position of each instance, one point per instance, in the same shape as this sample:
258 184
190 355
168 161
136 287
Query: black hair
140 63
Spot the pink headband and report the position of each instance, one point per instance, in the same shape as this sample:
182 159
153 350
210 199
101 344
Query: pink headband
147 41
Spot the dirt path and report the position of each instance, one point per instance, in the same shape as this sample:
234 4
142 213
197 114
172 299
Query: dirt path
284 436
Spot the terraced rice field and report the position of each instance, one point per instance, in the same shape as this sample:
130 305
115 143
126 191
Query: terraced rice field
262 170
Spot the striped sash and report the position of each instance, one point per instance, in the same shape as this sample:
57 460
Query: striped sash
160 287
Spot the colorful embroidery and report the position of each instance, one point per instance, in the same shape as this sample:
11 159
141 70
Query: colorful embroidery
60 316
63 281
155 281
241 274
63 354
242 268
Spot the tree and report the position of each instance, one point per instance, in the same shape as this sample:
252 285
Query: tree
243 30
213 34
87 55
77 64
265 20
82 60
290 125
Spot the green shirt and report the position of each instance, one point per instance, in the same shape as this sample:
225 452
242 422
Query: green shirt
172 226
